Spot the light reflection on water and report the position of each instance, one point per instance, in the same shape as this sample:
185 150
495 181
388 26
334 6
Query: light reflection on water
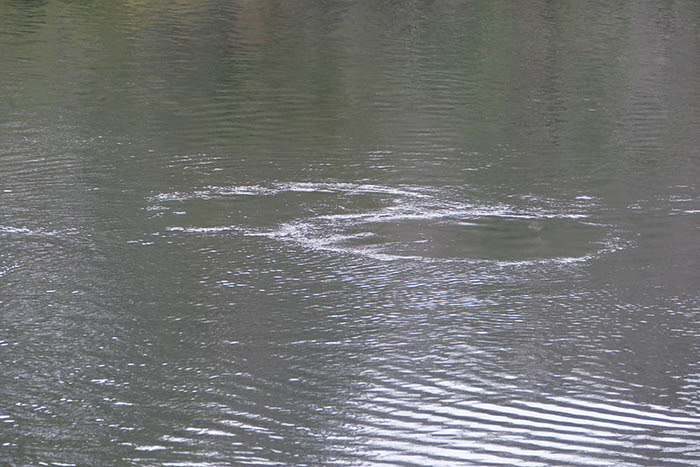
346 233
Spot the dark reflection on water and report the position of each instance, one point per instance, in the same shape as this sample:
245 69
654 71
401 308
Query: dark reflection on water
345 232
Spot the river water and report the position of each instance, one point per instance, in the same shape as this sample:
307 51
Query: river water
349 232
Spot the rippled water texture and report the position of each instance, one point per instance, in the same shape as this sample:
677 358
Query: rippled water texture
349 233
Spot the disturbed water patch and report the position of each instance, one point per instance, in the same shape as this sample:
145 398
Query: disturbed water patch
398 222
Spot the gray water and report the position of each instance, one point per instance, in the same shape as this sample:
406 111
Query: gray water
346 232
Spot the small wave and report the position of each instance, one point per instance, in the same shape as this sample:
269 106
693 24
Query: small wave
405 418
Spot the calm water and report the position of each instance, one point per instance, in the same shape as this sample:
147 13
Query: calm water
344 232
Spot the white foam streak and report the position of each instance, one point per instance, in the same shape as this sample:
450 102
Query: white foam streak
10 230
203 230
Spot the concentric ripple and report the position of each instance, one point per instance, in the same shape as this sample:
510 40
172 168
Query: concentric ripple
402 222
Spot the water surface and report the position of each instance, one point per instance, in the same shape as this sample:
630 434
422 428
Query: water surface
374 233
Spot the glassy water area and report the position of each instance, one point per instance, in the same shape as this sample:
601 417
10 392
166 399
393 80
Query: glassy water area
349 232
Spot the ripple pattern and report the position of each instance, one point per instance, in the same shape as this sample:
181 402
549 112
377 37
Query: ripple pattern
426 224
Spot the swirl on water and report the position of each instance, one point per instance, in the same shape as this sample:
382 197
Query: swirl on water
404 222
